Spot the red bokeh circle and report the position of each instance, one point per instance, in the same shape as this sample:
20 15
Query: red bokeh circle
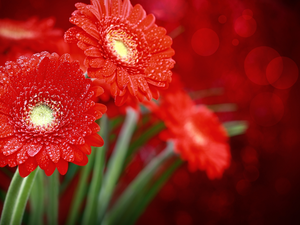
205 42
245 26
282 72
256 63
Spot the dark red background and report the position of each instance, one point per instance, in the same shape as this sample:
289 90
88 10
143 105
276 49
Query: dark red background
262 185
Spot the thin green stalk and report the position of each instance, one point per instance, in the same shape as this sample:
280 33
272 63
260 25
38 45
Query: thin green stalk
139 183
146 196
53 192
16 198
36 200
81 190
234 128
144 137
90 210
116 163
72 172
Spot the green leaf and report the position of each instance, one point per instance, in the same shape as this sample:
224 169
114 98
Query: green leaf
116 163
144 137
36 200
124 202
228 107
147 194
90 210
53 192
72 171
16 198
81 190
234 128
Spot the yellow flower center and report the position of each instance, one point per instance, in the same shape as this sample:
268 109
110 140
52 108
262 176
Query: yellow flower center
16 33
195 133
41 115
120 48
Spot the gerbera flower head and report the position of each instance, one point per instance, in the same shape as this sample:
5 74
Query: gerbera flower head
28 37
47 114
199 136
124 47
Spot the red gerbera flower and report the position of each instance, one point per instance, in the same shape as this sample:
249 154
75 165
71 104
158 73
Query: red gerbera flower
199 137
27 37
124 47
47 114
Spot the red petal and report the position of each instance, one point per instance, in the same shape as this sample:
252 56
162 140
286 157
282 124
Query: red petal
93 52
53 152
67 153
108 69
155 33
97 62
161 44
4 108
22 155
70 35
94 140
87 39
12 160
11 146
62 166
26 168
97 90
137 14
86 149
122 78
6 130
147 22
168 53
43 159
83 162
32 149
115 7
126 8
120 100
94 127
3 160
50 169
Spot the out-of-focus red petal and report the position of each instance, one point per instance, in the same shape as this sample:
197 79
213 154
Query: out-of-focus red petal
62 166
94 140
26 168
85 148
83 161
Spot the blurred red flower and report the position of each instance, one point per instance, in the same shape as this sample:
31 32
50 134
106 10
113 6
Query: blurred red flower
123 47
47 114
199 136
28 37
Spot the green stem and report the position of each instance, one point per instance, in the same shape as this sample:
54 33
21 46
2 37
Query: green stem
138 184
147 195
81 190
36 200
53 192
16 199
116 163
90 211
234 128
